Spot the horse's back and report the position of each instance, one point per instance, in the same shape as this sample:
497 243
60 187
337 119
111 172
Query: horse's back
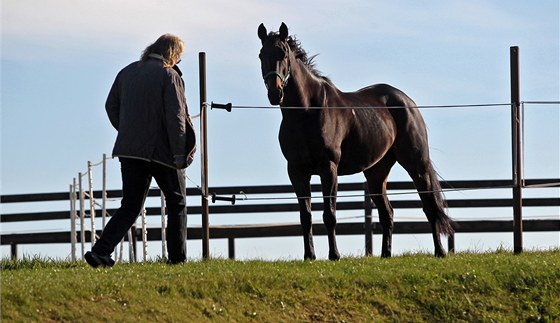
411 128
389 95
411 142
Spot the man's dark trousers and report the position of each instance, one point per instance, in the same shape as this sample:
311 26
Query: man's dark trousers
136 178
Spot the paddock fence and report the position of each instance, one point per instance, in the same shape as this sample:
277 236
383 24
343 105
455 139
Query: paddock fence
276 199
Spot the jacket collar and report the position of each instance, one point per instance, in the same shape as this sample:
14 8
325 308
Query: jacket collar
156 56
159 57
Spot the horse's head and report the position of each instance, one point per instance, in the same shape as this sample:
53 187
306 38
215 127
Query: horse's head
275 62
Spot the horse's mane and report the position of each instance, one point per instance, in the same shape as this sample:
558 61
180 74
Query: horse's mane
301 54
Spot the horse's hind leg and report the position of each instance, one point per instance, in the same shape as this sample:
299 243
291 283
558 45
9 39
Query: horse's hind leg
377 185
431 207
302 188
425 178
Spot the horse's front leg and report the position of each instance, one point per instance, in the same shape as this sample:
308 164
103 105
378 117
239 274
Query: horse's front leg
329 182
301 184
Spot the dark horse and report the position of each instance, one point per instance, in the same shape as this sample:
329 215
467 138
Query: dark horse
338 140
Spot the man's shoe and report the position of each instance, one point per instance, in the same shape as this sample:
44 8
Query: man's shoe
95 260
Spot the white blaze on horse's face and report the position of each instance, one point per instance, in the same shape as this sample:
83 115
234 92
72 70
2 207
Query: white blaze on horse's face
275 62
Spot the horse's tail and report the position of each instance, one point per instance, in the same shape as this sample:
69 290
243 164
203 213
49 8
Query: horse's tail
444 223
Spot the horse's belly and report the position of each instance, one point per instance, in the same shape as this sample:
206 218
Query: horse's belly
354 162
366 142
363 149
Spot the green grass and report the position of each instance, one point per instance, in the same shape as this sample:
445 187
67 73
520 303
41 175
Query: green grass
463 287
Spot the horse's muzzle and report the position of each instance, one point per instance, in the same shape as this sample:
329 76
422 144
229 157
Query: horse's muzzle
275 83
275 95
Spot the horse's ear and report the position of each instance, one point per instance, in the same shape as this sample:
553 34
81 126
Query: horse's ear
283 31
262 32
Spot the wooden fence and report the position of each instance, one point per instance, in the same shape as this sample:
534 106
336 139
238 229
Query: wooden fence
283 204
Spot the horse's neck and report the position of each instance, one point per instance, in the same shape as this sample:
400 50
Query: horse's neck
304 88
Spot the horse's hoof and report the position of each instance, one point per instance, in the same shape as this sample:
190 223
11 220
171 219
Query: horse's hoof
309 257
334 257
441 254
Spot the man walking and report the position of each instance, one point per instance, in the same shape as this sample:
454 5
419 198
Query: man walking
156 138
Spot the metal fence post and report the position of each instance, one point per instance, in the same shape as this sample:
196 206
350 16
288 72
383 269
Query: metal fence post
104 193
82 215
144 235
163 226
73 220
91 202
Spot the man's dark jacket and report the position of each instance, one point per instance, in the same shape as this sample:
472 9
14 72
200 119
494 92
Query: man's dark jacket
148 108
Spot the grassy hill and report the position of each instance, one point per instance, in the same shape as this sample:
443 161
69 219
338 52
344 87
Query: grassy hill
463 287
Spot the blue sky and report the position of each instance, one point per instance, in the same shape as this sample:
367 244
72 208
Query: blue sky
59 59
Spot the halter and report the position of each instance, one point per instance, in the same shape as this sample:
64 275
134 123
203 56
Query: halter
283 78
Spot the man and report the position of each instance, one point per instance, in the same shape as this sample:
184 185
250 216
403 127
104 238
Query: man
147 106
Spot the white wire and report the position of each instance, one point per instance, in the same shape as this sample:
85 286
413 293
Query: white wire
378 107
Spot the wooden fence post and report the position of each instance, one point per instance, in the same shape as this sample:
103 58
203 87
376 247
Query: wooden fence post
516 152
451 243
368 227
204 156
231 248
13 250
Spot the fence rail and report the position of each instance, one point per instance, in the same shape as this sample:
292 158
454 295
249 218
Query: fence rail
232 232
278 189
